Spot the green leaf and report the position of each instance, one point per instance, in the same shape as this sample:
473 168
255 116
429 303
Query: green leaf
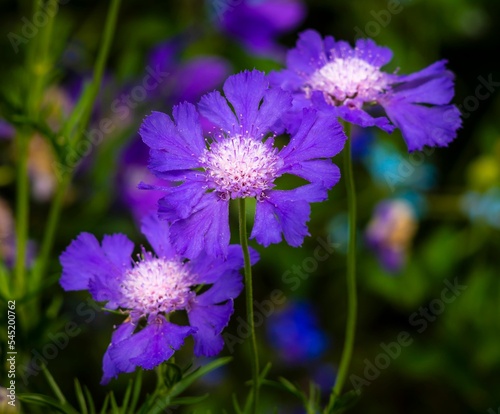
136 391
80 397
44 401
189 400
345 402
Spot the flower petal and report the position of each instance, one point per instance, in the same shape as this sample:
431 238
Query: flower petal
286 212
209 321
109 367
315 171
372 53
158 234
180 201
309 54
421 125
215 108
206 228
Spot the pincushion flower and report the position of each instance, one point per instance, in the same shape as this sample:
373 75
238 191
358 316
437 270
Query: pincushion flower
239 160
149 290
349 81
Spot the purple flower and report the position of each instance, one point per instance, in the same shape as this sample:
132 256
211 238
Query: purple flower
349 82
390 233
239 160
149 290
257 24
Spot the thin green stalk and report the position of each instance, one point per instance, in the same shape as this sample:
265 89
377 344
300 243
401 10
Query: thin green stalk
249 303
22 212
56 206
351 278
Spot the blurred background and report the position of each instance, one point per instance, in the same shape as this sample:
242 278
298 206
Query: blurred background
429 223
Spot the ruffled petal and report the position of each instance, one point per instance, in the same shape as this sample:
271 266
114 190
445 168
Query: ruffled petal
173 147
362 118
209 321
424 126
276 102
372 53
85 259
206 228
109 366
180 201
318 136
315 171
245 91
228 286
209 269
158 234
309 54
149 347
286 212
215 108
432 85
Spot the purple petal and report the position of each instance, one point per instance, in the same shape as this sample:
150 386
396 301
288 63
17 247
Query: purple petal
180 201
207 228
274 105
209 321
228 286
286 212
424 126
315 171
432 85
173 147
215 108
309 54
158 235
109 367
318 136
84 259
149 347
363 119
209 268
245 92
370 52
118 249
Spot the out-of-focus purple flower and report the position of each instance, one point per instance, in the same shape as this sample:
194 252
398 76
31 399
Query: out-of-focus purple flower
151 289
7 131
240 161
185 80
259 23
390 233
294 332
349 83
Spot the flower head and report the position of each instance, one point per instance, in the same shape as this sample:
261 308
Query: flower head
151 289
240 160
349 82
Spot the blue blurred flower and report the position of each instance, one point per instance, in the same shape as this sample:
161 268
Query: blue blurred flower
482 207
295 333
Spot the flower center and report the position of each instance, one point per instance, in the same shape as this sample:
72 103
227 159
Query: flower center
241 167
348 78
157 285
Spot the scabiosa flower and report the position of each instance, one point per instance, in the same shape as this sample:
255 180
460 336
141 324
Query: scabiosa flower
151 289
331 74
239 160
390 232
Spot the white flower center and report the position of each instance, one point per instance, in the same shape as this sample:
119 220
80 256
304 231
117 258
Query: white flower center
348 78
241 167
157 285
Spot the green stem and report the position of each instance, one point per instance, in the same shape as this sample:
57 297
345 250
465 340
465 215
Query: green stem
249 303
351 278
22 213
